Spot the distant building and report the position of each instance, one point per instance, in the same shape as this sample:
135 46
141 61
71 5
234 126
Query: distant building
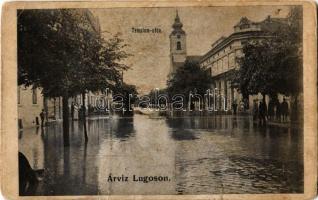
221 60
53 108
178 47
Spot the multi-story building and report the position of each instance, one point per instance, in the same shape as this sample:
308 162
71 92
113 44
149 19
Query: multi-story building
221 60
30 105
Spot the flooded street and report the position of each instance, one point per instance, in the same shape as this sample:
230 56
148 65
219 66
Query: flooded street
199 155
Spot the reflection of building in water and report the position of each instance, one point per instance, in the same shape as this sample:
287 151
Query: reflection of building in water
221 60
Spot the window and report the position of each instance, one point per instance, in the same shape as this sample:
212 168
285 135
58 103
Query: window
238 53
178 45
244 42
178 36
209 71
225 63
244 26
214 68
34 96
220 67
231 60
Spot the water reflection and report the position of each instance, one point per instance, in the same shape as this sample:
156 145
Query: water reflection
201 155
124 128
234 156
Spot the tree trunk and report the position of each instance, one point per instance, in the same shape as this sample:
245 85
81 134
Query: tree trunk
66 139
84 117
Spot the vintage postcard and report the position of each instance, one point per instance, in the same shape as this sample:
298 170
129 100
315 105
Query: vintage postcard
159 100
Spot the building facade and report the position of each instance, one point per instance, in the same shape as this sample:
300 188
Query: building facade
221 60
53 108
30 105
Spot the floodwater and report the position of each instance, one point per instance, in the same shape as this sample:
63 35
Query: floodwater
194 155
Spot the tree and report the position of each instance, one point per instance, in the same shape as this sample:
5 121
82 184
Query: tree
273 64
129 94
258 72
154 96
100 66
189 78
58 52
47 55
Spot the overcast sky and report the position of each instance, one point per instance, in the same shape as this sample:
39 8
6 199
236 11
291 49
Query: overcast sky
150 63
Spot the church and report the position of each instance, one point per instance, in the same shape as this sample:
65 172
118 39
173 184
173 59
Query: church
178 47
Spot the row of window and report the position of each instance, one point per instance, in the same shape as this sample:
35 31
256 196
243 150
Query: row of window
215 56
225 63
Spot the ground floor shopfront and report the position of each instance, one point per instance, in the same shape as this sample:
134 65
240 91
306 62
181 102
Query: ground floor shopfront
229 96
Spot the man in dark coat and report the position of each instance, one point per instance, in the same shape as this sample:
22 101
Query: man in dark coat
271 108
234 106
42 115
262 113
284 110
255 110
278 111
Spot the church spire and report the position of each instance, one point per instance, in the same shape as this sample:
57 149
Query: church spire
177 16
178 48
177 23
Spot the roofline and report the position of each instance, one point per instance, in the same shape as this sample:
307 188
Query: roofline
234 36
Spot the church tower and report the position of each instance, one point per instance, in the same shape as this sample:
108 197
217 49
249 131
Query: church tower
178 50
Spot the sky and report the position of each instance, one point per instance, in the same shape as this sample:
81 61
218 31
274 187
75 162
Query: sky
150 63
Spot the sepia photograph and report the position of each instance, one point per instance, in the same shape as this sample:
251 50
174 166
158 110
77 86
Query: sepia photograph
193 100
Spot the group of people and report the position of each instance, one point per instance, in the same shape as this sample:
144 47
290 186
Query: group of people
241 106
276 110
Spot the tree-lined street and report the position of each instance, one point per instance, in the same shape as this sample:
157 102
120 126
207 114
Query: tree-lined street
236 148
